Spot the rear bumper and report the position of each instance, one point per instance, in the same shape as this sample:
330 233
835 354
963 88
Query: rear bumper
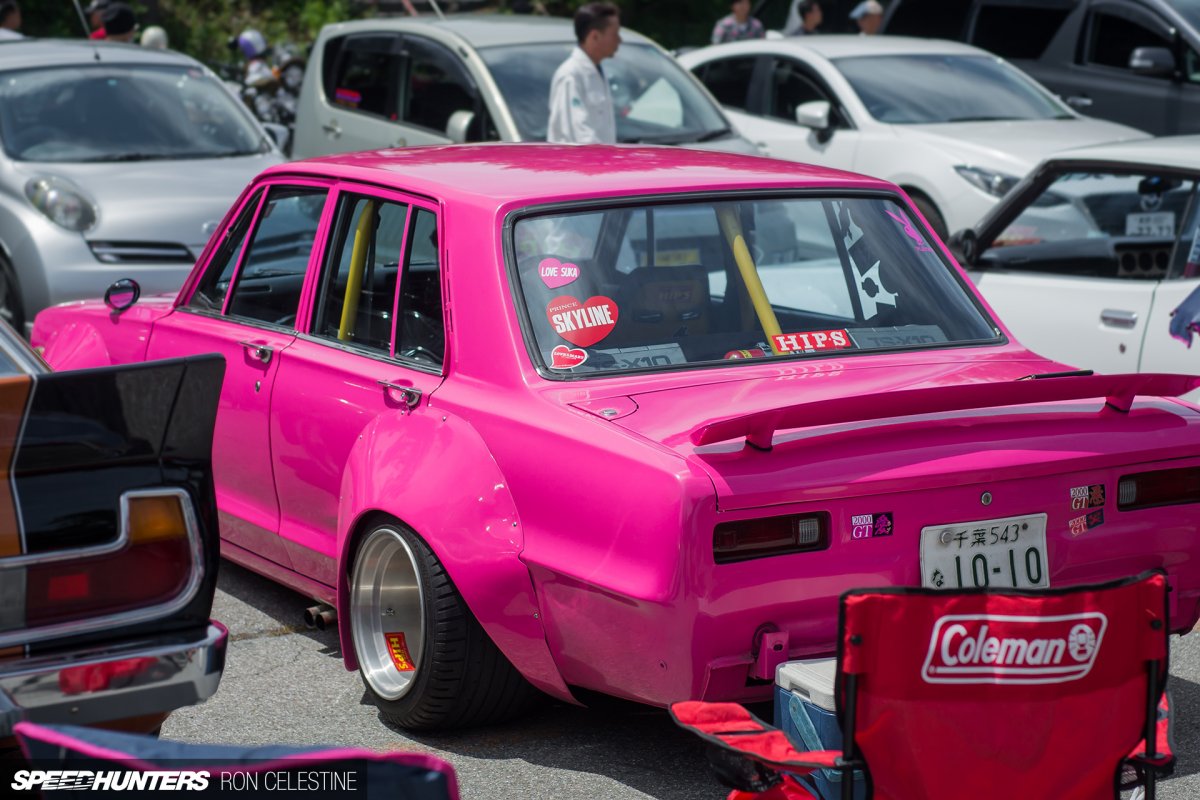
97 685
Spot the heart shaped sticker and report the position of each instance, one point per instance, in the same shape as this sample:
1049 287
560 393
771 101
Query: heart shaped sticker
563 357
556 274
582 324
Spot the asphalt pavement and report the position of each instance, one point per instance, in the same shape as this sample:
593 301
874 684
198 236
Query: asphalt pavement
286 684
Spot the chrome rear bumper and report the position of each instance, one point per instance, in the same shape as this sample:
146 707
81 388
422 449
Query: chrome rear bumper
102 684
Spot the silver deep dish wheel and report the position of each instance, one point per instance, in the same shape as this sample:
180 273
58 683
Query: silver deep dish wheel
387 610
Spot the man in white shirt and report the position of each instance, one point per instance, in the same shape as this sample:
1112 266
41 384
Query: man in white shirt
10 20
581 104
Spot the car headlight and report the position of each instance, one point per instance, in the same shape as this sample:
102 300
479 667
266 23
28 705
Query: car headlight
62 202
996 184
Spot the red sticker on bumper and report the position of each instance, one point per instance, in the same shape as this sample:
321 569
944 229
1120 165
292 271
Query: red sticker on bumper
398 650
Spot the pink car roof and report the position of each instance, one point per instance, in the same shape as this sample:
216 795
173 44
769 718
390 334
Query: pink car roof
508 173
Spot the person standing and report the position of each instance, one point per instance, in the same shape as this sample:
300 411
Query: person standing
805 18
581 104
869 16
95 15
120 25
10 20
738 25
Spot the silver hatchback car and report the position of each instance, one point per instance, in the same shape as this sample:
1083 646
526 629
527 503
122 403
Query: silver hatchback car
116 161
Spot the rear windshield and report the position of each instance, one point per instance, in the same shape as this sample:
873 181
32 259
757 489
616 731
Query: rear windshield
668 285
923 89
121 113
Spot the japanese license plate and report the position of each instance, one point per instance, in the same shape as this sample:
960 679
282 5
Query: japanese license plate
1160 224
1005 553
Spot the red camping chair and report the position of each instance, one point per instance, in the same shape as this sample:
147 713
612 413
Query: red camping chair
978 694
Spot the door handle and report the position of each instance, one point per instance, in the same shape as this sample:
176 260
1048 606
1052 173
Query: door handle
1079 101
411 394
259 352
332 128
1118 318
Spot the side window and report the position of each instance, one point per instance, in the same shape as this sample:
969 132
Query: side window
367 75
437 87
268 284
210 292
1113 40
1017 31
358 288
790 88
729 80
420 333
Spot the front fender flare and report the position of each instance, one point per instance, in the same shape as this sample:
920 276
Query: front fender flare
433 471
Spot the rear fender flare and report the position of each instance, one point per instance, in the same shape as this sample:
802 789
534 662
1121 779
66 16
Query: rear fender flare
433 472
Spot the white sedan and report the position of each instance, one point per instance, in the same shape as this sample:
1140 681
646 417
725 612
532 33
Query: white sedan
955 126
1086 259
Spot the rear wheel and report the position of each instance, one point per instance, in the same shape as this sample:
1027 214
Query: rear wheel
424 658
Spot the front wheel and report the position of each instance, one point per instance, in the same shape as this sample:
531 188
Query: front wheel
425 660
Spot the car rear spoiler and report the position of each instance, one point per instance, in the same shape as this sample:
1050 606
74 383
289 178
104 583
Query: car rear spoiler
1118 392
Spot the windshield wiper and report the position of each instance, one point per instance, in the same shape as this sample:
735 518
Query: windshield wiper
128 157
983 118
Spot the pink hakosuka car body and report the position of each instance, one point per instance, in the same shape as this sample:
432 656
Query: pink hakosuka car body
630 419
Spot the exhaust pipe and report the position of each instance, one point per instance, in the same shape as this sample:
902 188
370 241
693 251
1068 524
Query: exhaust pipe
320 617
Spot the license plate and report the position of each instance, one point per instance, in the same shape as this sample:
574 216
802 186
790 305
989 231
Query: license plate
1160 224
1005 553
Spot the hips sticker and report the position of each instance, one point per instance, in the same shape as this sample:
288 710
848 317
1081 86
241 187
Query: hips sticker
986 648
1092 519
753 352
866 526
398 650
811 341
563 357
1087 496
555 274
582 324
347 97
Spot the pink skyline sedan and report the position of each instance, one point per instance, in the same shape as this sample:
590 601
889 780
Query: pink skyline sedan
560 420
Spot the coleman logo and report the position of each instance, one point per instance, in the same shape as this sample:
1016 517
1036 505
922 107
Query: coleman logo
983 648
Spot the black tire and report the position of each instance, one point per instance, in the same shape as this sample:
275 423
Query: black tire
460 678
931 214
12 310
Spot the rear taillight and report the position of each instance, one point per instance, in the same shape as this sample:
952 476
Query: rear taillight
152 569
1165 487
770 536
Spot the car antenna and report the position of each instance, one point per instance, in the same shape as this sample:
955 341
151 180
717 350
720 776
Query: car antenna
87 31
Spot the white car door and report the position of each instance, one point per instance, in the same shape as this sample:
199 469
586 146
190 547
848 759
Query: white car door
1087 322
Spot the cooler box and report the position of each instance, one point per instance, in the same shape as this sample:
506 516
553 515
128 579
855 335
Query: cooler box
806 712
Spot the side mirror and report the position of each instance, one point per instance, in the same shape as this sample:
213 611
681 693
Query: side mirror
813 114
964 245
278 133
1154 62
459 126
122 294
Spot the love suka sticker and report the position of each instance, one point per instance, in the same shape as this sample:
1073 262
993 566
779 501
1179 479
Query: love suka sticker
563 357
582 324
555 273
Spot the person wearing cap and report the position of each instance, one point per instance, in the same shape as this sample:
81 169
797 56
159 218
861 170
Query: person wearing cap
10 20
120 25
804 18
738 25
95 17
869 16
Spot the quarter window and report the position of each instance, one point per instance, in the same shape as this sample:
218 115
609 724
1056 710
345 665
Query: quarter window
268 284
1115 38
790 88
358 290
729 80
214 284
437 87
366 76
421 332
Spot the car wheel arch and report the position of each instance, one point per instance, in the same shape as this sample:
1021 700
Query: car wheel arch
428 504
920 196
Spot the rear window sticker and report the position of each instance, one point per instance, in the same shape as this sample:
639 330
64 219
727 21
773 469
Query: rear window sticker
812 341
1083 524
654 355
555 274
398 650
347 97
1087 496
918 240
897 336
868 526
869 285
753 352
582 324
563 357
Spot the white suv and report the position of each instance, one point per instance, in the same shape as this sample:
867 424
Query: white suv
396 82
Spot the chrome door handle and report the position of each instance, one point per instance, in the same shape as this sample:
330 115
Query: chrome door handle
411 394
1079 101
332 128
1118 318
259 352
